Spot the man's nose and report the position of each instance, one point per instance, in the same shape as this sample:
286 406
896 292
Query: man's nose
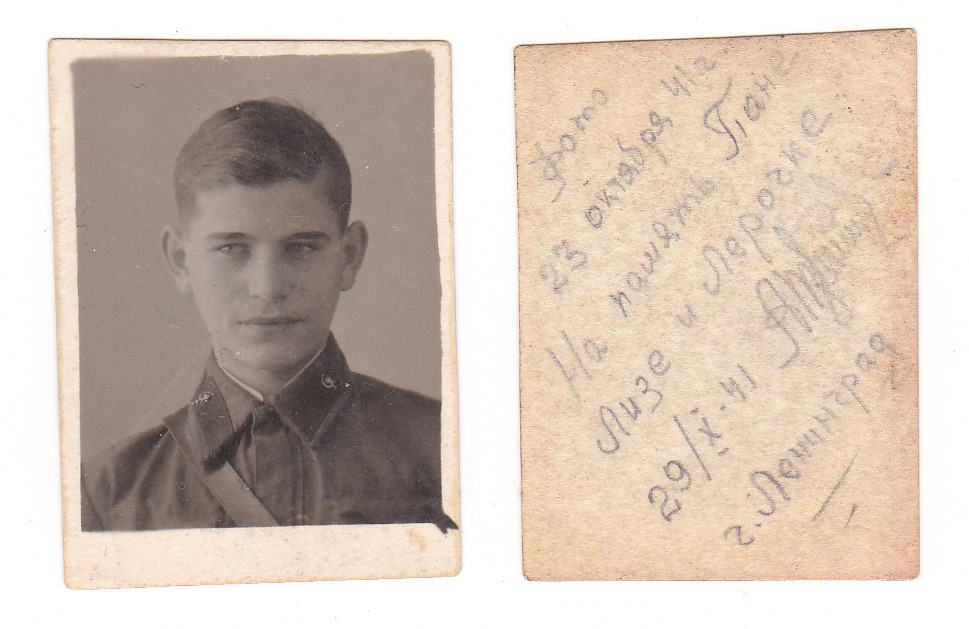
269 278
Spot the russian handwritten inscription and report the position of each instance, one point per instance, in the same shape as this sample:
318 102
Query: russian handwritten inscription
718 307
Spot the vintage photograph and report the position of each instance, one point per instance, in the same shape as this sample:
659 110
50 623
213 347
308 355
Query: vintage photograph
256 302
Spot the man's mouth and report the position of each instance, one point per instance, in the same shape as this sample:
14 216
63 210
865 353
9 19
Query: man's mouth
270 322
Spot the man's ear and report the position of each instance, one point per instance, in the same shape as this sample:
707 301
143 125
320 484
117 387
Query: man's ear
354 245
173 246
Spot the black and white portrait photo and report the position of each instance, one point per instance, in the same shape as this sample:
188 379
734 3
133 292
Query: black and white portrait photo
260 288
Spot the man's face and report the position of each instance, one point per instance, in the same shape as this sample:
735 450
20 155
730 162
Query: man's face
266 266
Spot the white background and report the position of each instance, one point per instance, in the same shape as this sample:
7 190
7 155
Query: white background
491 588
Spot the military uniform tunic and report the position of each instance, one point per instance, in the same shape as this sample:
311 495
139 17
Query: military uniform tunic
333 447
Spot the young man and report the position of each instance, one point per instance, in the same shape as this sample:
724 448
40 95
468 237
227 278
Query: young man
279 431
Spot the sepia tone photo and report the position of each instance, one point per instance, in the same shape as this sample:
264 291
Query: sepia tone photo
255 310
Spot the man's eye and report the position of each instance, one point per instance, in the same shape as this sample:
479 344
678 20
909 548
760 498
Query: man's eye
300 248
232 249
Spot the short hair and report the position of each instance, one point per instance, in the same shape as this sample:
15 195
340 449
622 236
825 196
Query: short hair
259 143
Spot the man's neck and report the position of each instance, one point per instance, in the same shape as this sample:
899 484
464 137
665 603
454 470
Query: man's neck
248 389
262 385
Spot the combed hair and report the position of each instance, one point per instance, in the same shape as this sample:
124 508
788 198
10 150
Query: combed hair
259 143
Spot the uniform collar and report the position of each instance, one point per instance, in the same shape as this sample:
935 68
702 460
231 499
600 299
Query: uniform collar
221 406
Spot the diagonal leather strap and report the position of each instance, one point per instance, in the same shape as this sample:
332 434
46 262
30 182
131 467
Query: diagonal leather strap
223 481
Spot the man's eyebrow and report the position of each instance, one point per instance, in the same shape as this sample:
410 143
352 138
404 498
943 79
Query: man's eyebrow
309 236
229 236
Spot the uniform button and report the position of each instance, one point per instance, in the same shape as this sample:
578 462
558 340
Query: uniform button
205 397
328 382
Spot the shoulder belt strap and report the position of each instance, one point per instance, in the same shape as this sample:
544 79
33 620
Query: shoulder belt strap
224 482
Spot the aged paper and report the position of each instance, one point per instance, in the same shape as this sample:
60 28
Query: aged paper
719 351
149 511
